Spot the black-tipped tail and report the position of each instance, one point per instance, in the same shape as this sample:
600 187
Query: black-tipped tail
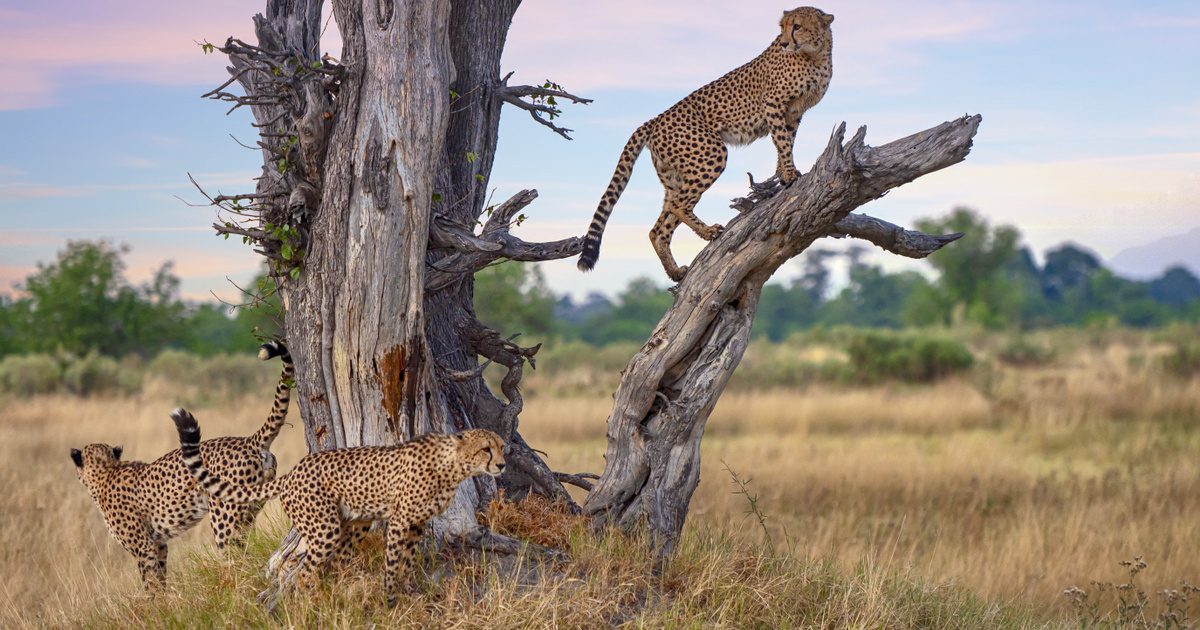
273 349
188 428
590 253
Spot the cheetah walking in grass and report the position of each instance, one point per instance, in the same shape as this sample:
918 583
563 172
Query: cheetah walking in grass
145 505
330 496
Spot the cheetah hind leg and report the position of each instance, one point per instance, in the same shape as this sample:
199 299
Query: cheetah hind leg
353 533
225 520
660 237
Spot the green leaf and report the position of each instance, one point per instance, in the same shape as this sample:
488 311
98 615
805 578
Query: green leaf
479 177
286 251
453 95
295 273
471 157
436 198
207 47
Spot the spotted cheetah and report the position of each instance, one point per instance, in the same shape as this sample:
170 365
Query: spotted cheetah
687 142
331 496
145 505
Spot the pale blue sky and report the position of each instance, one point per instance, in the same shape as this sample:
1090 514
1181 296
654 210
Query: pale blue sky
1091 128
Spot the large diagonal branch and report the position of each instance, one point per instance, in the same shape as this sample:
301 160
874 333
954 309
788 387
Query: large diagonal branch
670 387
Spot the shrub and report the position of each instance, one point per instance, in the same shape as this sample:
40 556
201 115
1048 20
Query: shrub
1183 360
1021 351
95 374
201 379
916 357
31 374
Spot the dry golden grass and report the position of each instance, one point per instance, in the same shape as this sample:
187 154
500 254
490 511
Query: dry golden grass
1017 482
55 553
1012 483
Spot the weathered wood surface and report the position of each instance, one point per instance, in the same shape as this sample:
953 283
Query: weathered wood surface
670 387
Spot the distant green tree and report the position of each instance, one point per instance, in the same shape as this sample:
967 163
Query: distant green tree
783 310
873 298
211 330
1126 300
1177 287
13 318
82 302
982 276
639 307
513 297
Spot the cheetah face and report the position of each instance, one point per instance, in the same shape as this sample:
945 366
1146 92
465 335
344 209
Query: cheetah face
806 31
482 451
92 458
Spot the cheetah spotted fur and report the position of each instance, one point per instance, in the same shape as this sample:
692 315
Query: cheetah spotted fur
687 142
145 505
332 496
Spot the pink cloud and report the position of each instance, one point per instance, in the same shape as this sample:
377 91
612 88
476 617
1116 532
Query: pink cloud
588 46
50 43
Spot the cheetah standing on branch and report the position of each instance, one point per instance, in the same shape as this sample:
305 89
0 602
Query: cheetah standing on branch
332 496
145 505
687 142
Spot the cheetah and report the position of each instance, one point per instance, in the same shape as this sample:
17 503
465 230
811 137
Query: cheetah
687 142
332 496
145 505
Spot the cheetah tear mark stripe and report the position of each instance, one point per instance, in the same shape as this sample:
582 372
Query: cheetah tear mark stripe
591 242
214 486
283 392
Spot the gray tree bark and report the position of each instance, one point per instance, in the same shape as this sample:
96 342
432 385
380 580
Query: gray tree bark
670 387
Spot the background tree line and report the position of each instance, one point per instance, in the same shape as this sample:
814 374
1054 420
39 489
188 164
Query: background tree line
83 303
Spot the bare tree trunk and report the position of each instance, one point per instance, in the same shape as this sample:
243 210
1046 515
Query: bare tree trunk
670 387
374 177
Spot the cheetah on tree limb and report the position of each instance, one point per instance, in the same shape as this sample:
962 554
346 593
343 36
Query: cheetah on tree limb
687 142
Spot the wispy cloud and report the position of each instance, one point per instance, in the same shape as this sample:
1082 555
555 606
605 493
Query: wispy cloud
1107 203
49 43
683 43
12 191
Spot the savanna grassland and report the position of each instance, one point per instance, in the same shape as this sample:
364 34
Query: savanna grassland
826 498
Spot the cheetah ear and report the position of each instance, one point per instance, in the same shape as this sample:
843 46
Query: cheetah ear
827 17
77 457
117 450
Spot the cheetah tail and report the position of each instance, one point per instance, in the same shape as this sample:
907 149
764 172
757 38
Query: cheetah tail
214 486
279 410
591 242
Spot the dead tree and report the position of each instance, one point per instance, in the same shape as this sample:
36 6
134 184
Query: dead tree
670 387
375 174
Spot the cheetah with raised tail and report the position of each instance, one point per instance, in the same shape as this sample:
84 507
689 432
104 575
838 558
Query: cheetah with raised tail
331 496
687 142
145 505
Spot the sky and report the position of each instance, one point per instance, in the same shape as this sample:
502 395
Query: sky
1090 134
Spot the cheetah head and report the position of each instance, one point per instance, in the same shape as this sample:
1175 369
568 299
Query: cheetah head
806 31
482 451
93 459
